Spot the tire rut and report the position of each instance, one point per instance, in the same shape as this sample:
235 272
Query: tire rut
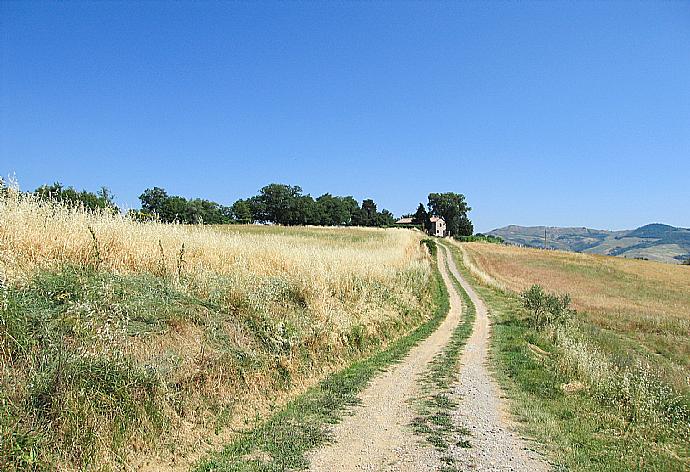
495 446
377 435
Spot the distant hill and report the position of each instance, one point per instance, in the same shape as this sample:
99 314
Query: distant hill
657 242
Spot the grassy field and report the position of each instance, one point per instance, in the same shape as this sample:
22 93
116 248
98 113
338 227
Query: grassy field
126 344
608 390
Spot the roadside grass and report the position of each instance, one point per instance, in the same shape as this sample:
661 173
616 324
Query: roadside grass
125 343
280 443
435 406
577 391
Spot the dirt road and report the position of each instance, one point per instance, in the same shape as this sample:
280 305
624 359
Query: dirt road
378 437
495 445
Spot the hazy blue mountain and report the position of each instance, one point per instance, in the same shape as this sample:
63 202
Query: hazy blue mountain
654 241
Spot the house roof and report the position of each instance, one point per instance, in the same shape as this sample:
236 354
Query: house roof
404 221
434 219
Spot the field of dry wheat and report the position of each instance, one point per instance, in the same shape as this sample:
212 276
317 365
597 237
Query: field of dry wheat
184 331
648 301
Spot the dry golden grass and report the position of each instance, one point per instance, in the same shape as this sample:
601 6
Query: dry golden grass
36 235
644 300
617 373
328 266
249 315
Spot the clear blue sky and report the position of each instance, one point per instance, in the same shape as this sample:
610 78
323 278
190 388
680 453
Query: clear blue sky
569 114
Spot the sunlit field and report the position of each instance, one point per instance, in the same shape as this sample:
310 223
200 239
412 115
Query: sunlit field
122 339
624 359
645 300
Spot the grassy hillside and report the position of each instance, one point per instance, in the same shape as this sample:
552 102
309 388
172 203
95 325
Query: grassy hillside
127 344
608 390
655 241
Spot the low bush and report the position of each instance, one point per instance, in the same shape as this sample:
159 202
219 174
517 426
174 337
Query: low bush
546 308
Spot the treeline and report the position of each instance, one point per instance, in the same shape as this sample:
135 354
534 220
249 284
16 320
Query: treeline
275 203
156 204
479 237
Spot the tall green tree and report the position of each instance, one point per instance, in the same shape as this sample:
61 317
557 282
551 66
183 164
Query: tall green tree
385 218
242 212
421 217
334 210
153 200
277 203
353 210
369 212
453 208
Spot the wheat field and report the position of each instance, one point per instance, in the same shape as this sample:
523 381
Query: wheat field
644 303
186 329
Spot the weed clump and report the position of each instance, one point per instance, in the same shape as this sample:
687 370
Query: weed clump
430 245
546 309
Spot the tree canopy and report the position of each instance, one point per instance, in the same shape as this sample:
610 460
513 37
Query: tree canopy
155 202
68 195
275 203
453 208
287 205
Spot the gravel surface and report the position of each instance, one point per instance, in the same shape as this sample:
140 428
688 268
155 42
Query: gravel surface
377 436
495 444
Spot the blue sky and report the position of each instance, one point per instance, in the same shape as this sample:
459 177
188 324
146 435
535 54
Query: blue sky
556 113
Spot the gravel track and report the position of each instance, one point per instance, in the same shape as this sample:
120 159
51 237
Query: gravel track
495 445
377 435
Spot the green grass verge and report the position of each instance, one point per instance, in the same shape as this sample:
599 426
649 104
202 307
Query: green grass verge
280 443
435 406
583 431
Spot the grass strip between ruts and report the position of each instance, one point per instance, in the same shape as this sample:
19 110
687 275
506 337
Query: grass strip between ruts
434 420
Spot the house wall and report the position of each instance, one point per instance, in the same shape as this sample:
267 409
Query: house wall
438 229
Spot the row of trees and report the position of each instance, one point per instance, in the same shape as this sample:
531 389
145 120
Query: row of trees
157 204
287 205
275 203
452 207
